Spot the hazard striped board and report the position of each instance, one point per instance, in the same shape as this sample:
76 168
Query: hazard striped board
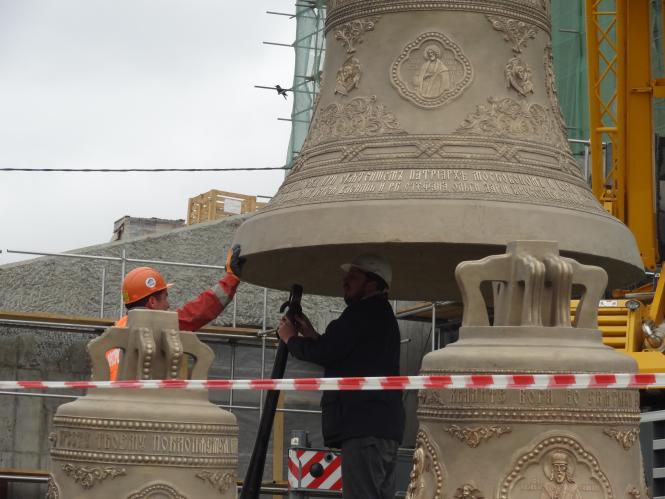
315 469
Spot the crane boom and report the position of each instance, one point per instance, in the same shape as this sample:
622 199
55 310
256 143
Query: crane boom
621 91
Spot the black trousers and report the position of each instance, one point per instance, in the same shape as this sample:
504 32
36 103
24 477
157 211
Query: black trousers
368 468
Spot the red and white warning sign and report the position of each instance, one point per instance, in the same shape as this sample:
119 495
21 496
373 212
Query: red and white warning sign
311 469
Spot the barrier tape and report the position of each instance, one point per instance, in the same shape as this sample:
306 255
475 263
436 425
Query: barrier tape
438 382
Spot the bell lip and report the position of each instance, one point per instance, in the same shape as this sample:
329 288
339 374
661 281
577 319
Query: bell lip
277 242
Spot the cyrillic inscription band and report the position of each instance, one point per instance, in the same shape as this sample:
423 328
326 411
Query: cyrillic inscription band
486 184
151 443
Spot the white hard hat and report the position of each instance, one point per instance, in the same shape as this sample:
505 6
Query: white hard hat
371 263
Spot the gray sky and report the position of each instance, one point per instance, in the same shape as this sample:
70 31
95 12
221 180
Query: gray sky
134 84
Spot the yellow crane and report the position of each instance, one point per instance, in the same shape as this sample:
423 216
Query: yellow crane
621 93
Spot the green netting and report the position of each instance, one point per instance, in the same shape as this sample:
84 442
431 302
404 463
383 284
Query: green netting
657 63
569 48
309 49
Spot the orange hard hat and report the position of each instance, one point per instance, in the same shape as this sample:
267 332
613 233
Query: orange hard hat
142 282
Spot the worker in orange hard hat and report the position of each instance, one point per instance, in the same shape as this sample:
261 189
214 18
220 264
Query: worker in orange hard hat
144 287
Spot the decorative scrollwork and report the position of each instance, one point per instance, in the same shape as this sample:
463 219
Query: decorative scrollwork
509 118
625 438
352 33
361 116
473 436
88 476
516 32
52 491
219 480
633 492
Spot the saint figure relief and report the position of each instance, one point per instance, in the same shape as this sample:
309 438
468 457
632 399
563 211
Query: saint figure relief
560 474
518 76
348 77
434 76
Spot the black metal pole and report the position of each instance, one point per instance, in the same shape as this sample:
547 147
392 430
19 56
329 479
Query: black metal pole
252 484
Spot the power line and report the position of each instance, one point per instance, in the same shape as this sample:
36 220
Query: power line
141 170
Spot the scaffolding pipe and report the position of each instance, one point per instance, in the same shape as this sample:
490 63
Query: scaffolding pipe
123 269
264 333
66 255
233 371
433 326
101 306
176 264
235 309
118 259
92 329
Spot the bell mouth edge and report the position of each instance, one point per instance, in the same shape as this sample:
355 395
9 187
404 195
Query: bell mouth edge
493 223
305 245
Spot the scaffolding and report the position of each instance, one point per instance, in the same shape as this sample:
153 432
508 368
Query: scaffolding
309 47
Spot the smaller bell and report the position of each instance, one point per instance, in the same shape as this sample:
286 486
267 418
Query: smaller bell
521 444
145 443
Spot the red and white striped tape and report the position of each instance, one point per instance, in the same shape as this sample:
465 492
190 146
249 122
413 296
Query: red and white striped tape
487 381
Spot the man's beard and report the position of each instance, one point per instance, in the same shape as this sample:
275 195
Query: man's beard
349 299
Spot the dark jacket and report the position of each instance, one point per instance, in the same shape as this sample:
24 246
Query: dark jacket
364 341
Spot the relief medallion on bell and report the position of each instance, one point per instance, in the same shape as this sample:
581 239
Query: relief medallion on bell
157 491
431 71
558 467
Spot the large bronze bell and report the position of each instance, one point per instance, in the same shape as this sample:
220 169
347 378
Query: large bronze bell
437 138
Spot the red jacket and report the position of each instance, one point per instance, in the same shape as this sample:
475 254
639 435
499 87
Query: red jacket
192 316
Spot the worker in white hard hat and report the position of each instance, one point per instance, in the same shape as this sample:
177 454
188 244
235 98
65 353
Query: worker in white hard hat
364 341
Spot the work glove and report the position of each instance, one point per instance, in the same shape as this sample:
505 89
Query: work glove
234 261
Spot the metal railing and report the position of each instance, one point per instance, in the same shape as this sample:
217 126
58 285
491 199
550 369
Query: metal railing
123 260
586 154
234 340
652 437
